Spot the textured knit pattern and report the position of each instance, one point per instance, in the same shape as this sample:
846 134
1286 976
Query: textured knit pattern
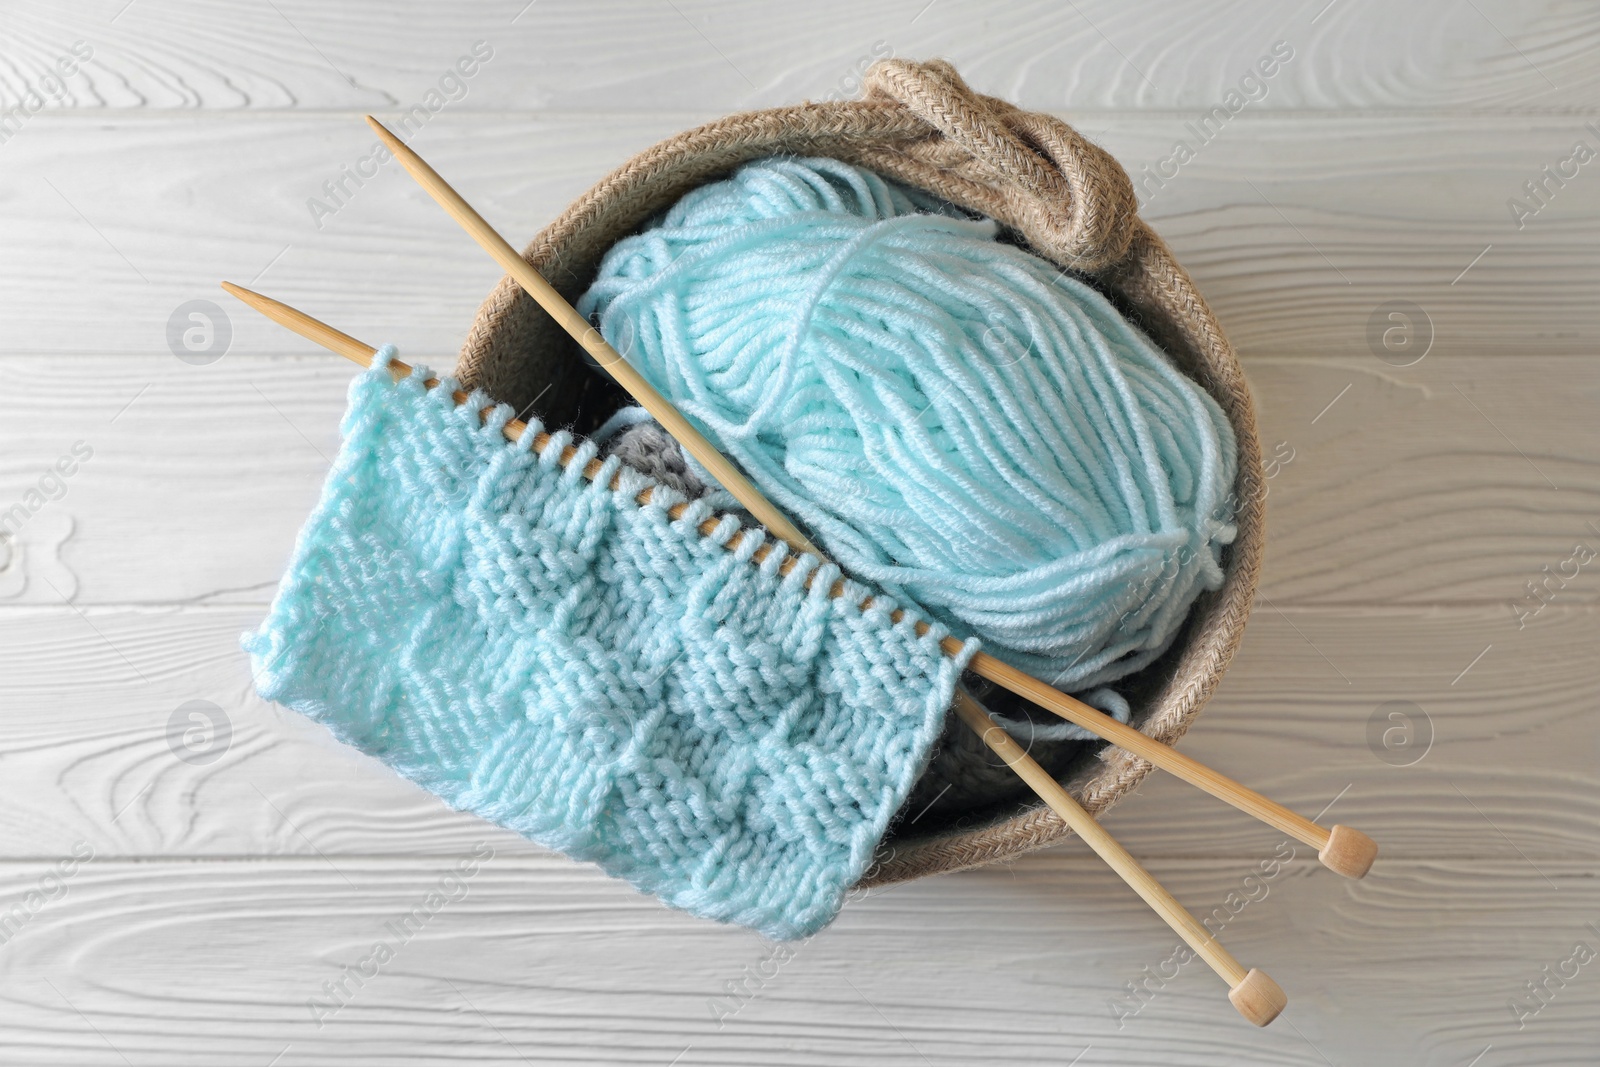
544 651
643 444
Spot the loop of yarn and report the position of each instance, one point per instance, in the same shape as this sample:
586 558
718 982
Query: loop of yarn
958 421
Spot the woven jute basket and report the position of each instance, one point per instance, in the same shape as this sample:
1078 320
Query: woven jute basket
1057 195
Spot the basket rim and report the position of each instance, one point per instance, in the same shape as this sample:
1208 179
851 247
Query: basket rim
885 135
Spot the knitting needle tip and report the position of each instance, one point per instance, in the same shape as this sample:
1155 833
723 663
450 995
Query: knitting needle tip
304 325
408 159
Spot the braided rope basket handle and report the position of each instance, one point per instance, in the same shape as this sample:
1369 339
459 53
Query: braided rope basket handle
1069 200
1065 195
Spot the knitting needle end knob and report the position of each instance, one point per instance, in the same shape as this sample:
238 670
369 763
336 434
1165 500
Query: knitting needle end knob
1258 998
1348 852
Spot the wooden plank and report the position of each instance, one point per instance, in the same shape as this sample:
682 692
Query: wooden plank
1296 230
1458 480
532 960
386 264
722 56
1503 739
1370 501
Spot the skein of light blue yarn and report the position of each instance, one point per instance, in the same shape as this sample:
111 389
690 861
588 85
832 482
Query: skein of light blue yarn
954 418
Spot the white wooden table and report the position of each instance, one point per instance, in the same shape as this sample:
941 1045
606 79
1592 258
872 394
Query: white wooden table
190 910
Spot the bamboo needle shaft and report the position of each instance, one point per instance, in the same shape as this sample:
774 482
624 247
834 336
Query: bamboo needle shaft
637 386
1257 997
1347 851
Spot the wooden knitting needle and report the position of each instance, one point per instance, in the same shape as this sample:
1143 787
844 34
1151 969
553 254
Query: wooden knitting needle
1256 996
360 352
1347 851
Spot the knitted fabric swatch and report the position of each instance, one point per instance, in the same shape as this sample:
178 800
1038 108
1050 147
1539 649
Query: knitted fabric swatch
548 653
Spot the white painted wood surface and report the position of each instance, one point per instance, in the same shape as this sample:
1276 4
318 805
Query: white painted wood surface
1419 501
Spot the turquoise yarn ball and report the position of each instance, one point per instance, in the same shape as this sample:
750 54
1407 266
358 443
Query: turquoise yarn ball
954 419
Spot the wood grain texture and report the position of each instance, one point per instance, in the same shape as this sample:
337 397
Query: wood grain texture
536 960
1297 228
723 56
1410 507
